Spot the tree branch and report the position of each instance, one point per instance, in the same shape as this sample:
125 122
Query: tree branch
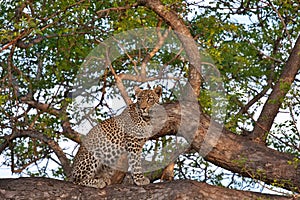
236 153
159 43
100 13
184 36
282 21
39 188
47 108
118 80
281 88
65 162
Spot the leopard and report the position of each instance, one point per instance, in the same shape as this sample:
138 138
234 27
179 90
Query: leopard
107 143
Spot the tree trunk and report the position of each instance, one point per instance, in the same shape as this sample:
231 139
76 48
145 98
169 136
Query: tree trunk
47 189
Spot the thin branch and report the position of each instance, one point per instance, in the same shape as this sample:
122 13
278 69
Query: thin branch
65 162
108 10
41 106
47 108
12 42
294 122
19 170
118 80
263 54
282 21
258 96
287 144
40 38
128 55
57 13
159 44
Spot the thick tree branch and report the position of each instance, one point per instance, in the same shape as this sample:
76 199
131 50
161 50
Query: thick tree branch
281 88
184 36
43 188
237 153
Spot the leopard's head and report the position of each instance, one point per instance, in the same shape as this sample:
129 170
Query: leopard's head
146 99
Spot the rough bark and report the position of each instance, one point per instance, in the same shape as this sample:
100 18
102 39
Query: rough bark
231 151
281 88
236 153
184 35
48 189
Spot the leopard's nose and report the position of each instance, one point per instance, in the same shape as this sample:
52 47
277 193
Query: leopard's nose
143 107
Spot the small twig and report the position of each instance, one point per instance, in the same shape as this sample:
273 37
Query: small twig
282 21
103 91
136 78
19 170
254 177
126 7
294 121
41 106
263 54
57 13
287 144
128 55
15 40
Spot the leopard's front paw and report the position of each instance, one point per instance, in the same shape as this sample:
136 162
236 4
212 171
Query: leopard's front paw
141 180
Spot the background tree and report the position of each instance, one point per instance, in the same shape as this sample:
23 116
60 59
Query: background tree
254 44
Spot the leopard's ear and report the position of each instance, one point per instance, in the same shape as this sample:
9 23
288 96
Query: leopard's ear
137 90
158 90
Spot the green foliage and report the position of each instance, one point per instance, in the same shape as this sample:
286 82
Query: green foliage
44 43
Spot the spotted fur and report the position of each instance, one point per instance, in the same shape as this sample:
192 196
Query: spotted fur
100 154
